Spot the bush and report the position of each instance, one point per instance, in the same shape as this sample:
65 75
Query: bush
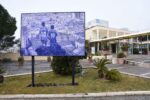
1 76
121 55
101 65
20 61
125 47
49 59
102 73
113 75
5 60
2 70
63 65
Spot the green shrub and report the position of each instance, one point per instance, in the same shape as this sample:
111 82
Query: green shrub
1 70
125 47
97 54
63 65
121 55
101 65
48 59
5 60
20 61
113 75
1 76
102 73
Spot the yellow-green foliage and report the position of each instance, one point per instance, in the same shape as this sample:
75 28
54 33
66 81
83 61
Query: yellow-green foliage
102 69
113 75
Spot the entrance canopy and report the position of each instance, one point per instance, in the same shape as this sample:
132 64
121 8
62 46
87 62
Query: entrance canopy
127 36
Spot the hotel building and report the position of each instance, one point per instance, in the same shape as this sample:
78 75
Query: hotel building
100 36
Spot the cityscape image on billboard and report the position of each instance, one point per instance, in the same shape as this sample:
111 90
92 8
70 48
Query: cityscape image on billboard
53 34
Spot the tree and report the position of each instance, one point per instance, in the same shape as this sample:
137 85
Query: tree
7 29
101 66
17 42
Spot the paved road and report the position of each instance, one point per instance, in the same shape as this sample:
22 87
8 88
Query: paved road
40 66
13 69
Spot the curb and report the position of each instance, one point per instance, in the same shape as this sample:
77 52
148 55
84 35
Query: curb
26 73
104 94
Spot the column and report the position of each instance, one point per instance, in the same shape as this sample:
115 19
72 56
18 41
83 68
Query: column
118 46
107 33
101 46
124 33
147 45
97 33
97 47
148 48
141 45
128 45
116 33
132 48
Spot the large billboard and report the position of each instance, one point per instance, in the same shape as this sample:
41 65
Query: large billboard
53 34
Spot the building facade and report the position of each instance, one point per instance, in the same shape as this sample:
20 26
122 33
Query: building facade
104 38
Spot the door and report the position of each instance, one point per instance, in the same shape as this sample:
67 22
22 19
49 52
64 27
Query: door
113 47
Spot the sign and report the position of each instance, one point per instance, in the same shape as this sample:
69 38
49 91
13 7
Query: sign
53 34
93 50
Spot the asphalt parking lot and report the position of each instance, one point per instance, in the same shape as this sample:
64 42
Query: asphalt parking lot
132 70
43 66
124 68
13 68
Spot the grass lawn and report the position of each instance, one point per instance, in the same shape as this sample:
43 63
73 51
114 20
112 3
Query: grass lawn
87 83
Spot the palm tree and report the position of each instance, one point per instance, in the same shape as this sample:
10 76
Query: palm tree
101 65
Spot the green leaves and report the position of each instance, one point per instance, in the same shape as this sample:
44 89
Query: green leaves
121 55
101 65
63 65
114 75
7 28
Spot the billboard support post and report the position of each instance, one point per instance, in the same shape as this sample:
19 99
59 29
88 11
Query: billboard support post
33 61
73 74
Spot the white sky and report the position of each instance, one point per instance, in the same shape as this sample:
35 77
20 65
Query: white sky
131 14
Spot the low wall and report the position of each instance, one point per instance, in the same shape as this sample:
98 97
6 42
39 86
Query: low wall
138 95
14 56
100 57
